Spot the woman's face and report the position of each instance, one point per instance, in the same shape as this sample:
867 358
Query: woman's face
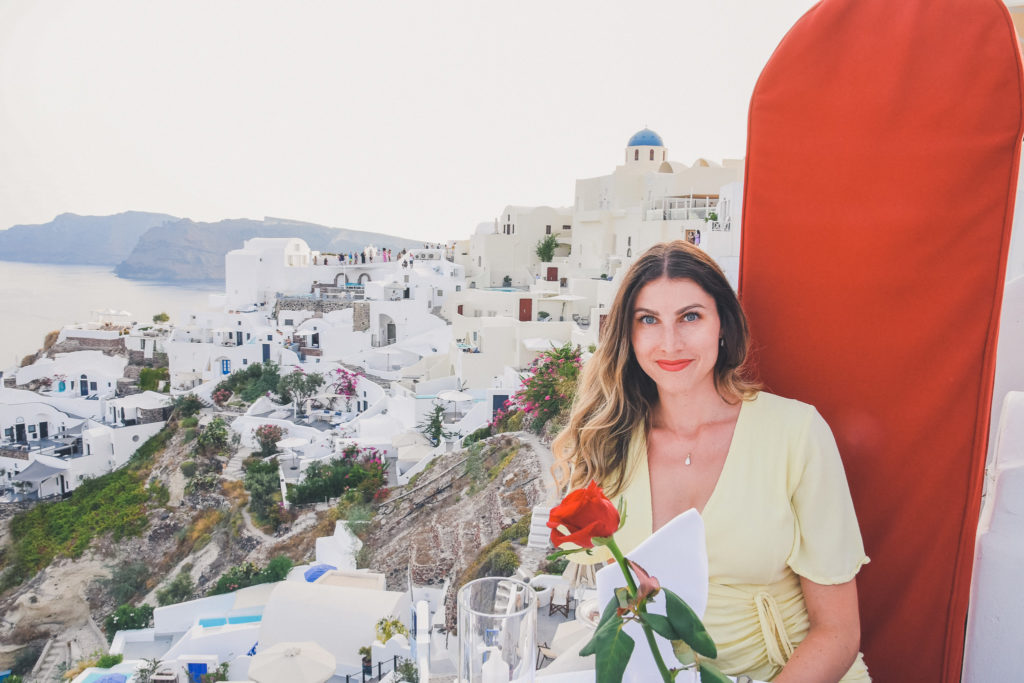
675 335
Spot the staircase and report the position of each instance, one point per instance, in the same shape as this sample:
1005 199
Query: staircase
53 655
540 534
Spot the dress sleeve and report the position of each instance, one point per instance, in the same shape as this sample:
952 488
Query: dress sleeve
827 545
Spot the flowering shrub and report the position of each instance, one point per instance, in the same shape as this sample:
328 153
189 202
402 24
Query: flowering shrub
345 384
221 396
361 469
128 617
249 574
548 388
268 435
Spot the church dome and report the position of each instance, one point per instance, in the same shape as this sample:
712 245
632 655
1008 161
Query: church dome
645 138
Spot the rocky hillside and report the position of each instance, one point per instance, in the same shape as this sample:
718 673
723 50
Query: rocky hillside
443 525
203 533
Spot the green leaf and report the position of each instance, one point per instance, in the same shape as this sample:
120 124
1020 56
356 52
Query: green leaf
660 625
622 597
559 553
622 512
710 674
688 625
684 653
611 646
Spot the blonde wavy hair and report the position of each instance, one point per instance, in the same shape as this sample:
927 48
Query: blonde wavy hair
615 396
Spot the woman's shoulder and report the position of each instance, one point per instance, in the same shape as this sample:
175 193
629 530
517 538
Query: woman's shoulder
773 407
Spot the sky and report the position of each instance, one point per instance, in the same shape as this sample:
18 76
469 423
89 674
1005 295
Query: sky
418 119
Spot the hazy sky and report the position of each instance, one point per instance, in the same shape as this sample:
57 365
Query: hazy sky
418 118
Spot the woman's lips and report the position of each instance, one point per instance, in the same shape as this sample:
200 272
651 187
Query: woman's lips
673 365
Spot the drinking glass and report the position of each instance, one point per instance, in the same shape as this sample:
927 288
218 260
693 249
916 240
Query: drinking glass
497 631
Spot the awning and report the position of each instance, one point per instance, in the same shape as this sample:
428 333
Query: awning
37 473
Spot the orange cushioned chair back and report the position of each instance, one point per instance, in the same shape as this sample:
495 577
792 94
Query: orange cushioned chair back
882 155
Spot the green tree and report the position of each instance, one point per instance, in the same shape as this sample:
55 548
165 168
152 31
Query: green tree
161 318
178 590
300 386
214 436
433 427
126 579
546 248
127 617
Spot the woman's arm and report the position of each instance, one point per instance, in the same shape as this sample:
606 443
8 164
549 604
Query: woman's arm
833 641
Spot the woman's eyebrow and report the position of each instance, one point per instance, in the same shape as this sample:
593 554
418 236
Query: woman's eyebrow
684 309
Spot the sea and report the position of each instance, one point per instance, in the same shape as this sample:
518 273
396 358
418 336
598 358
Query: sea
37 298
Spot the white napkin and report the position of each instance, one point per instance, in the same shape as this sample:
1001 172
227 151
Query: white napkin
677 556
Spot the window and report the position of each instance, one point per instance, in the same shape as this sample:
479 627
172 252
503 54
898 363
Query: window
245 361
547 229
225 366
636 155
92 386
247 335
566 227
9 433
652 159
289 321
629 241
458 288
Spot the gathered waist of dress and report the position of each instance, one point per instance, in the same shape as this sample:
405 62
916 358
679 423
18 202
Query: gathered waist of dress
756 627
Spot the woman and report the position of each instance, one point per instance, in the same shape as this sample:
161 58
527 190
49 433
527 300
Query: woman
665 418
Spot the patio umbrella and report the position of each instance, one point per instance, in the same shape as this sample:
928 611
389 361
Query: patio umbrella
111 678
298 662
580 577
455 397
316 571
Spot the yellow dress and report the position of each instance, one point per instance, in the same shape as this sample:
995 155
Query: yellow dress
781 510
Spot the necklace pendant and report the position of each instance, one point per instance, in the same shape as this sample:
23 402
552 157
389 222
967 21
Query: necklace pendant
687 461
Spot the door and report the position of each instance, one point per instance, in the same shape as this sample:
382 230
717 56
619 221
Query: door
552 274
83 386
44 430
238 338
19 433
392 331
525 309
459 309
498 403
266 352
315 340
225 367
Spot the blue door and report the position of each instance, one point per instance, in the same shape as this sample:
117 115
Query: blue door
266 352
225 367
196 671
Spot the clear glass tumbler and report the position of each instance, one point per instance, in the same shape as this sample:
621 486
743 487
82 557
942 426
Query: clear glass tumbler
497 631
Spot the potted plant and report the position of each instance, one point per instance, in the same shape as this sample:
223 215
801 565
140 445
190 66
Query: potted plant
506 281
365 653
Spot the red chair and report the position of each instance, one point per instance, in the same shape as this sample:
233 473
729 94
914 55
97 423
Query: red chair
883 146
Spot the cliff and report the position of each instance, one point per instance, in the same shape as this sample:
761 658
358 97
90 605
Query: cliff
186 250
79 240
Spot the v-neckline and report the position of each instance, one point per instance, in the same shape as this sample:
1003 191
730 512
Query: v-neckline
721 475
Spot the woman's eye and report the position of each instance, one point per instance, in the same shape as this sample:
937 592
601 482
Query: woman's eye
691 317
648 319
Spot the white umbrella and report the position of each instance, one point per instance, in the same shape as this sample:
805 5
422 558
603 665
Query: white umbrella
580 577
299 662
455 397
292 442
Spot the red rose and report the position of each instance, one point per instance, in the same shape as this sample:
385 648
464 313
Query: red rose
587 514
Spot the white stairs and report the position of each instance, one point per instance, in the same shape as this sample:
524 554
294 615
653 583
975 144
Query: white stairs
540 534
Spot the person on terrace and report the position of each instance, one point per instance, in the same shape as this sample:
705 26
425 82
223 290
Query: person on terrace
667 418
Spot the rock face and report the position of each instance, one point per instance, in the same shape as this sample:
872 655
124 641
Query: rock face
79 240
436 528
189 251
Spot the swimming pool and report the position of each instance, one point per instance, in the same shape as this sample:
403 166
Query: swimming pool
221 621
